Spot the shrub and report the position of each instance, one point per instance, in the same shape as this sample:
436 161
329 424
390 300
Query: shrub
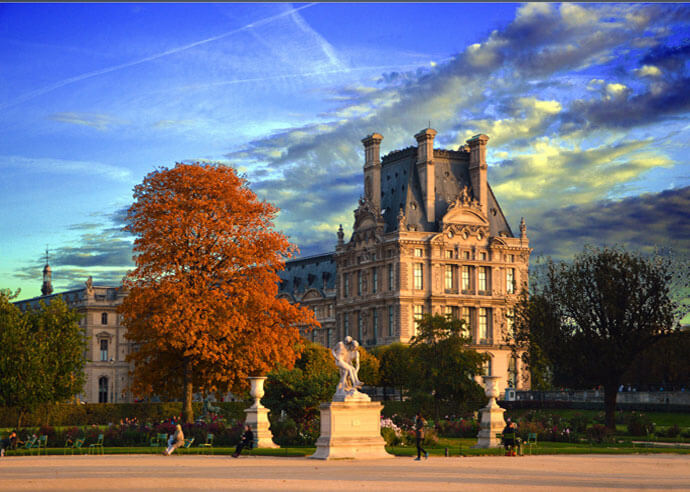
599 433
579 423
673 431
639 424
457 428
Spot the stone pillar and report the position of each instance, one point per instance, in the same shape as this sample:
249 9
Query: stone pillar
492 421
372 169
257 416
425 169
478 169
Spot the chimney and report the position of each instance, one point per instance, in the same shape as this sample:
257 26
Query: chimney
372 169
478 170
425 169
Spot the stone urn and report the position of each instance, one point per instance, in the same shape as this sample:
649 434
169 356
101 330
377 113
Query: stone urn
491 420
257 390
491 389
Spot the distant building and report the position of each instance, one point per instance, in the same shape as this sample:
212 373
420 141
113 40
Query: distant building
106 370
429 237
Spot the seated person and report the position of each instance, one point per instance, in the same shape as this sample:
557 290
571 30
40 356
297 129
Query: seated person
247 441
510 428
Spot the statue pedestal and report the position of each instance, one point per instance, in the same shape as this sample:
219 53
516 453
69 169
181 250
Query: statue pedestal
257 419
491 421
350 429
257 416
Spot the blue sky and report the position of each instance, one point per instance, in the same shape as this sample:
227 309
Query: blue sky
586 106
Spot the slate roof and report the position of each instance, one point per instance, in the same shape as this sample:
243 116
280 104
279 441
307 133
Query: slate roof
401 188
312 272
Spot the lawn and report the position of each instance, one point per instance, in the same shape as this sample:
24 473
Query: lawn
455 446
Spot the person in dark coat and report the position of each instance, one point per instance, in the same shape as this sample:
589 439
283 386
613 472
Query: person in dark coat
511 442
247 441
419 424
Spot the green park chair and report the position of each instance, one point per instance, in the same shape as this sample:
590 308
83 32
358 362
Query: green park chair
531 441
97 446
77 444
187 443
42 443
209 443
162 440
30 443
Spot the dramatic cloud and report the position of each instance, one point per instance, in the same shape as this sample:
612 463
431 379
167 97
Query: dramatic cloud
103 251
568 94
647 222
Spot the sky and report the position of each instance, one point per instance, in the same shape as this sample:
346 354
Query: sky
586 105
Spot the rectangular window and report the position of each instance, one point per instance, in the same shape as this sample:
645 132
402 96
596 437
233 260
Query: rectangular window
374 280
390 321
359 326
418 276
346 284
104 318
466 255
510 323
104 350
483 256
510 280
449 277
418 314
466 278
390 276
481 279
346 324
359 283
375 322
483 333
466 317
510 258
486 367
418 252
449 253
448 310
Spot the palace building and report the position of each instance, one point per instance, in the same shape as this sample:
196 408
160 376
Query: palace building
429 237
106 370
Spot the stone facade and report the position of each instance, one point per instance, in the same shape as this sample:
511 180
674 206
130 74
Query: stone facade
106 369
429 237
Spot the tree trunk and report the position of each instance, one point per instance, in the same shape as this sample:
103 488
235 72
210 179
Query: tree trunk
187 411
610 395
19 419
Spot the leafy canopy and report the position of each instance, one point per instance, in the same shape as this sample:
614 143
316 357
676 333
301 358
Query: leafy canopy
202 308
594 316
41 354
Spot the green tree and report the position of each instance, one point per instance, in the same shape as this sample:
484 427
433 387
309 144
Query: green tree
394 366
443 365
592 317
41 354
299 391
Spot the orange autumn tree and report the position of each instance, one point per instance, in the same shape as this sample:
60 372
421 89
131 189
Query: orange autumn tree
201 307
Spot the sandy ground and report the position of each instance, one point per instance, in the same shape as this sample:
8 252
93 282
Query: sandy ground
249 473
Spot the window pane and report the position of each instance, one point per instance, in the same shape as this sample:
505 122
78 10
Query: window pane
418 271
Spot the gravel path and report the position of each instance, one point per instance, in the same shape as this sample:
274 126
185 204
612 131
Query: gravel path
249 473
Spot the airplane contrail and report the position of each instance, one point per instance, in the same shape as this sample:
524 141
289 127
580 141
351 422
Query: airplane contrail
88 75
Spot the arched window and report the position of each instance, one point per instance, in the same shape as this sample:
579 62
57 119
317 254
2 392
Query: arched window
104 318
103 389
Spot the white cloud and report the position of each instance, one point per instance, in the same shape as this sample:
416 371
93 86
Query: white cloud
49 165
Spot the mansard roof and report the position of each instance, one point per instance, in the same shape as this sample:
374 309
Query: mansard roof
302 274
401 190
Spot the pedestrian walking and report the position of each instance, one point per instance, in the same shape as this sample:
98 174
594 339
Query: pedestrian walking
419 424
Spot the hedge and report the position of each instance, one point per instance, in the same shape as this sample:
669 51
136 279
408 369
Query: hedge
106 413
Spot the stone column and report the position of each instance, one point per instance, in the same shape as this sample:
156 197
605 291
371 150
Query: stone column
257 416
491 421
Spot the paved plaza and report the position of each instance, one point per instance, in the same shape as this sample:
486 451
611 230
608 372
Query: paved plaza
249 473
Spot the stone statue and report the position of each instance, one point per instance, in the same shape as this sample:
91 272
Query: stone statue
347 360
89 287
